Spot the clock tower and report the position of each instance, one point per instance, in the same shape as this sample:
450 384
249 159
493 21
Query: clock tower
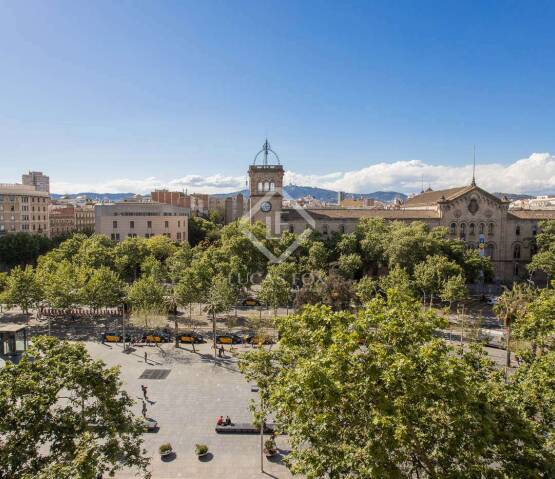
266 183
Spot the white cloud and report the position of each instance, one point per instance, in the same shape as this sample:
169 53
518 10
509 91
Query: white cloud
535 175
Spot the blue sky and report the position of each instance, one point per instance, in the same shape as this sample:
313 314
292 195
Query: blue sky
352 95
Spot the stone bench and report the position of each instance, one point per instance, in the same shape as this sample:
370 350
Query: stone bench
244 428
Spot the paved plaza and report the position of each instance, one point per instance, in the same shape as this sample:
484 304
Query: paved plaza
186 405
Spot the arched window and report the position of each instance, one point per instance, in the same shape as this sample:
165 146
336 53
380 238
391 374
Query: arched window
490 229
453 229
272 186
482 228
266 186
260 186
517 230
489 250
471 228
463 230
516 251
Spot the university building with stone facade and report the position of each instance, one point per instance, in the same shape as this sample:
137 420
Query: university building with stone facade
468 212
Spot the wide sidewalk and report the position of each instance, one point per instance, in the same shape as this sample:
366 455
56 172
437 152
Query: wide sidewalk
186 405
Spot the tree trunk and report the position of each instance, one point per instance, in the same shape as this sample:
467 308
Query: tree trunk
214 333
508 362
176 332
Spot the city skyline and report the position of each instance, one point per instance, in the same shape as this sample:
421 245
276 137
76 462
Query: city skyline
354 97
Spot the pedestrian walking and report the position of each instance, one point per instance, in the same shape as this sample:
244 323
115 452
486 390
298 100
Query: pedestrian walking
146 357
144 388
144 409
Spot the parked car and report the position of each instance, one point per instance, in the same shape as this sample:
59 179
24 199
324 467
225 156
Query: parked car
114 337
157 337
255 339
190 337
228 338
250 301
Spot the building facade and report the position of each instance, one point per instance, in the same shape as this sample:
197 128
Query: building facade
62 220
40 181
23 209
84 218
470 214
141 219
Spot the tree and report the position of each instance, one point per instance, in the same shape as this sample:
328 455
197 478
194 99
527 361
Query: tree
454 290
366 289
147 299
22 289
397 279
58 397
161 247
511 306
349 265
155 268
104 289
62 285
128 256
537 325
221 297
318 256
402 405
274 291
430 275
373 233
476 267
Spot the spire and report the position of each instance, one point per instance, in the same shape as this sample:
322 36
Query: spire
422 179
473 183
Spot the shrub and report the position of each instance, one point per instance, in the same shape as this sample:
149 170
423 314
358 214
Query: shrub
201 449
164 448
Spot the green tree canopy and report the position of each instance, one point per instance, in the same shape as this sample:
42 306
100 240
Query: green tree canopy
22 289
61 411
378 396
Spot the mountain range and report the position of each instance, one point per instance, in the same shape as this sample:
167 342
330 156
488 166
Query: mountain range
292 191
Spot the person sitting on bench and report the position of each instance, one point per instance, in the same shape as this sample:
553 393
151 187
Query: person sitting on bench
220 421
227 421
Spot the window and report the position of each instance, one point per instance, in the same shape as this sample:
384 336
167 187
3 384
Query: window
516 251
517 230
482 228
260 187
490 229
534 230
132 224
463 230
166 224
149 224
471 229
114 224
117 236
453 229
325 229
272 186
178 235
291 228
489 250
342 228
266 186
516 269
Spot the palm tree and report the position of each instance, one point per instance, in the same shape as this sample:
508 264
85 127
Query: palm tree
512 305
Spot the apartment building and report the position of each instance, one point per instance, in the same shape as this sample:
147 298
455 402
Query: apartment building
23 209
40 181
62 219
141 219
84 218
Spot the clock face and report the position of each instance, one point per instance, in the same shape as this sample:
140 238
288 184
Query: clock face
266 206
